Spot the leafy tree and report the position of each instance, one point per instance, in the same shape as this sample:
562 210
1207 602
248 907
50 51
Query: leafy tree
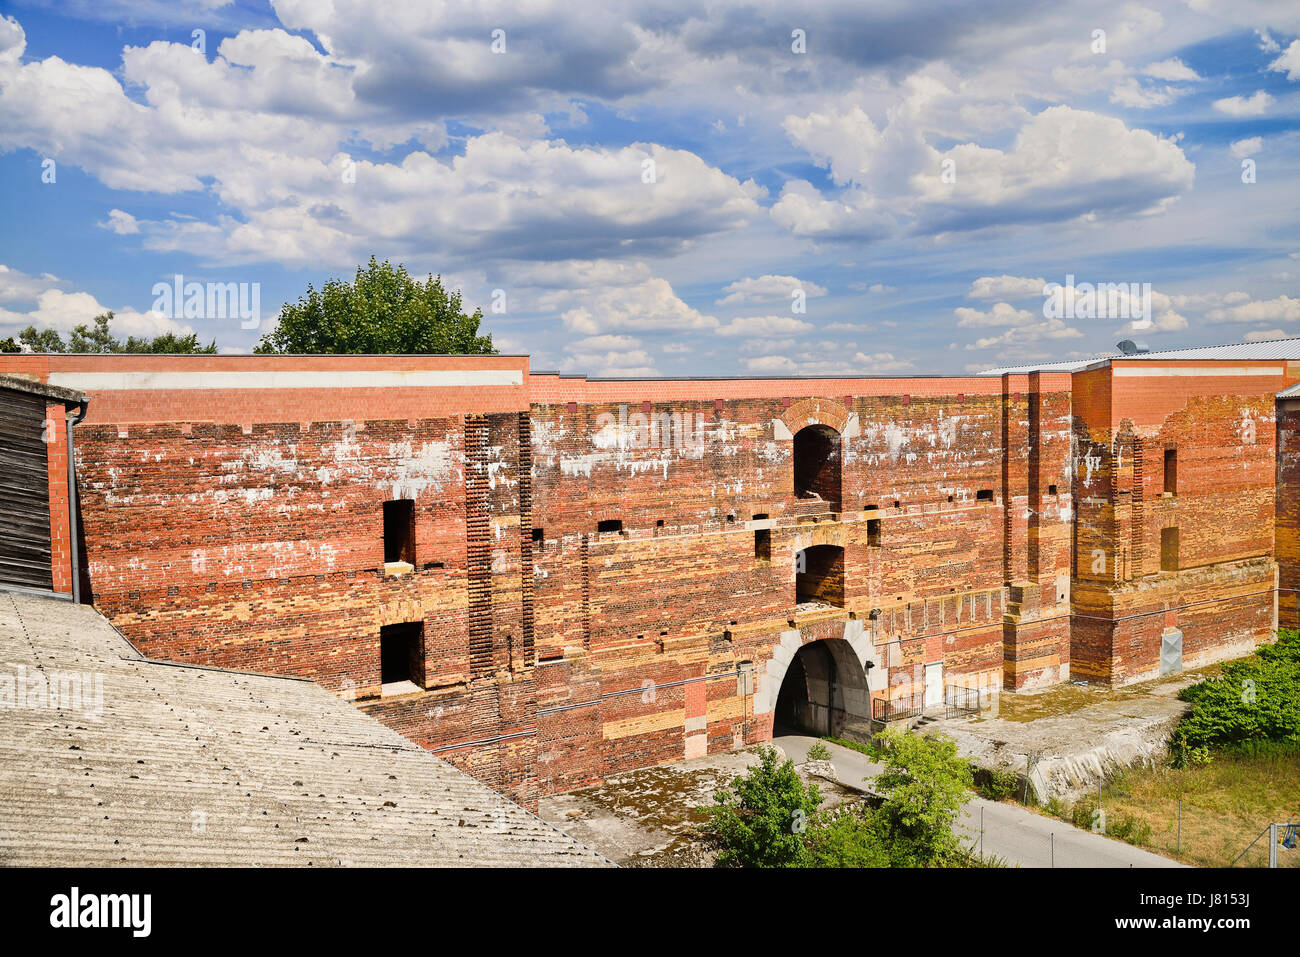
1254 703
924 785
98 339
382 311
761 819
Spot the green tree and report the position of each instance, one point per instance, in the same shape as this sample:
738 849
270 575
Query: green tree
382 311
98 339
761 819
924 785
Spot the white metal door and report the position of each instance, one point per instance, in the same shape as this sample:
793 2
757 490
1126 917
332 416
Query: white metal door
934 685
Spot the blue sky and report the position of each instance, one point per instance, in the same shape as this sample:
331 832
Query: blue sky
917 177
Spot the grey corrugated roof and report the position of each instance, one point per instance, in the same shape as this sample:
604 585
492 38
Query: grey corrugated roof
22 383
1288 348
200 766
1290 393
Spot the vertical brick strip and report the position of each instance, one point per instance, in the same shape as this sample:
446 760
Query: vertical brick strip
478 548
526 536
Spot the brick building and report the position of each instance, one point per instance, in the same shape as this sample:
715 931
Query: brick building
547 579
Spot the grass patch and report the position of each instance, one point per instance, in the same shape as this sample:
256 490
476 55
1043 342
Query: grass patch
1225 805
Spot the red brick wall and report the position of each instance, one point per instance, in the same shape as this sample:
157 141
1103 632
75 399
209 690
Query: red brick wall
243 527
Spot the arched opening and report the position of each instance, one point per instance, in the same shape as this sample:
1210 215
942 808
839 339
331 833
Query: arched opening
819 576
817 465
824 692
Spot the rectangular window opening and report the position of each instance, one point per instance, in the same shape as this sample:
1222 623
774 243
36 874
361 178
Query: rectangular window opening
539 538
399 531
401 657
984 495
1171 471
609 525
763 544
1051 490
873 532
1169 549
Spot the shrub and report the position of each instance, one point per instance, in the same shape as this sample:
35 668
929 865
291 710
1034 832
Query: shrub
761 819
819 752
1254 701
923 787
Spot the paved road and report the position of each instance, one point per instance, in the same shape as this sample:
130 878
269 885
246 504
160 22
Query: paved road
1011 832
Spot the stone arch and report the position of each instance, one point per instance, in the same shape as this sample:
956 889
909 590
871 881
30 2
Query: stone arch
855 659
827 412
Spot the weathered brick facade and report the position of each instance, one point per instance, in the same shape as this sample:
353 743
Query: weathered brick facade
609 573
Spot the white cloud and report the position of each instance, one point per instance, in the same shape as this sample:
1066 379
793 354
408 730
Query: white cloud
608 356
764 326
766 289
1002 314
1254 105
1006 287
859 364
1240 149
643 306
123 224
1288 62
1173 69
17 286
63 311
1264 335
1281 309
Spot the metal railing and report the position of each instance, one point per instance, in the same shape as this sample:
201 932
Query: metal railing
960 700
898 708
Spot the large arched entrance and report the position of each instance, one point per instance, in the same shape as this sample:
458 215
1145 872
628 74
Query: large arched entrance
824 692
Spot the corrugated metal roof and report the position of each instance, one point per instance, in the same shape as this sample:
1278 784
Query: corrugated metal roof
1288 348
173 765
1290 393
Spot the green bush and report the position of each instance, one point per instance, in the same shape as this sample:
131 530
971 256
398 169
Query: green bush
923 787
819 752
997 784
848 837
1254 704
761 819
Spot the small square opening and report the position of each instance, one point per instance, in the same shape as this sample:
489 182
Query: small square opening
1051 490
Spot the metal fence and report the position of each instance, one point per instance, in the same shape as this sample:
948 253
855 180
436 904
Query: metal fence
959 700
898 708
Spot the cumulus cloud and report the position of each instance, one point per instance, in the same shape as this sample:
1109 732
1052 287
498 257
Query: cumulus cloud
1240 149
608 356
1263 335
1280 309
808 363
1173 69
643 306
1288 62
764 326
1254 105
766 289
64 311
1006 287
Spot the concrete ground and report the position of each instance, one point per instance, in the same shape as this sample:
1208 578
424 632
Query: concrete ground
1068 736
647 817
1016 834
